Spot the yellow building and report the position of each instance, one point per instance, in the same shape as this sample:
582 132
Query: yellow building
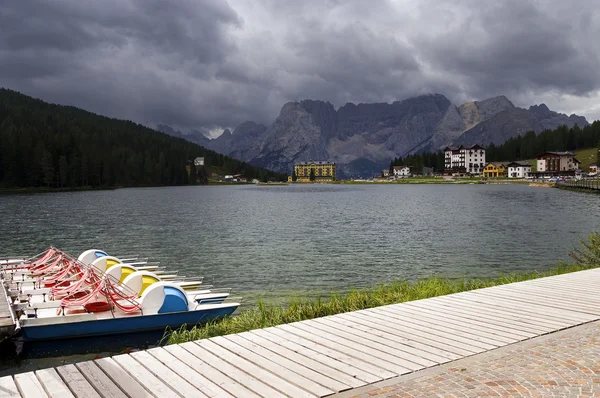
495 169
315 171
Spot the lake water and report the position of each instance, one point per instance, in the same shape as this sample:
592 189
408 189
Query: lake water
275 242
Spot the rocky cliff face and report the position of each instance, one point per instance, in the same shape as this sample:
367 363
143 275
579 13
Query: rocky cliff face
362 138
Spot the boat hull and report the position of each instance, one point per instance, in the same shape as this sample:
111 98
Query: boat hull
130 324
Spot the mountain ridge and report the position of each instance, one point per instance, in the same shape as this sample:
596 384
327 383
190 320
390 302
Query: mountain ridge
363 137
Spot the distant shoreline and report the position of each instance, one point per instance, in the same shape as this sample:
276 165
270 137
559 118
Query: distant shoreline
407 181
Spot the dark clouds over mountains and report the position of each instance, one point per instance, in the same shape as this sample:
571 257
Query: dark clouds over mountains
208 65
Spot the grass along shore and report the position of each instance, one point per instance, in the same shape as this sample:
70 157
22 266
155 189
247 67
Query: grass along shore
263 315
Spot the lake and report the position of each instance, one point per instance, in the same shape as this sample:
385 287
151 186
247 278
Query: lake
276 242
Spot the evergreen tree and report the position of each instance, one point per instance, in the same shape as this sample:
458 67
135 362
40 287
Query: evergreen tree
63 171
48 169
38 139
312 174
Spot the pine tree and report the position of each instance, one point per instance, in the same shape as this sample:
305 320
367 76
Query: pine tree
48 168
63 171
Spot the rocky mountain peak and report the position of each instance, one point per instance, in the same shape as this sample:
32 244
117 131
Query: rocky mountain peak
541 110
363 137
249 129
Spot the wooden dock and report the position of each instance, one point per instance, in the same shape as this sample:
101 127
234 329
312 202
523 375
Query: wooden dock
323 356
587 184
7 320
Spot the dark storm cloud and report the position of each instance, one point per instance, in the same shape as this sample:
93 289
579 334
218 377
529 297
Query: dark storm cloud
209 64
514 46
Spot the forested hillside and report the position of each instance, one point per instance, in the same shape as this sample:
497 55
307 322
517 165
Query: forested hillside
529 145
47 145
521 147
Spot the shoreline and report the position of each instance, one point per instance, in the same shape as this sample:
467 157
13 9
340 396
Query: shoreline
264 315
407 181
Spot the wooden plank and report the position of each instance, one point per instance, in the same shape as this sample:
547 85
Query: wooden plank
359 358
238 347
488 336
447 329
52 383
556 296
29 386
209 388
567 294
266 376
339 324
210 373
420 358
251 383
322 354
473 321
122 379
363 345
574 290
80 387
166 375
524 295
379 327
395 337
484 316
8 388
538 307
286 358
304 357
493 308
414 331
569 318
97 378
144 377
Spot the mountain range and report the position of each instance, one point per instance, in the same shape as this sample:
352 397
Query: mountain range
364 138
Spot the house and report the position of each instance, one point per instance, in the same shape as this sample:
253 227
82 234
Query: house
401 171
519 169
593 170
199 162
317 171
461 160
385 172
557 162
496 169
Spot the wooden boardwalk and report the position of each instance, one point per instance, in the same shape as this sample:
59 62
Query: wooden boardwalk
7 321
591 184
323 356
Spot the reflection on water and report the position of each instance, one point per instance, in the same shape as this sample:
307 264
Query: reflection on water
38 355
306 240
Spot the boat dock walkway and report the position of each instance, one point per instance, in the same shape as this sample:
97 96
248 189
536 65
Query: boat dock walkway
586 184
324 356
7 320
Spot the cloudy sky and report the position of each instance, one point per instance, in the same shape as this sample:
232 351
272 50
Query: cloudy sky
210 64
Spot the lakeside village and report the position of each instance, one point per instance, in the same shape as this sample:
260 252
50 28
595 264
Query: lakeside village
463 161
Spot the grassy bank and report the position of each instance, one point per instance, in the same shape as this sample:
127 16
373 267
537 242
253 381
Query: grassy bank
263 315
